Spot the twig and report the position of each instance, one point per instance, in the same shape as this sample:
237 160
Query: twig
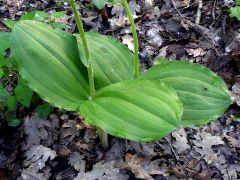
199 12
173 151
213 10
175 7
202 30
205 33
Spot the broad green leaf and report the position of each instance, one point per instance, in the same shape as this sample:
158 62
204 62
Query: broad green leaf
138 110
48 60
204 94
23 93
35 15
112 61
59 14
3 92
235 12
43 110
1 73
13 121
58 25
4 42
11 102
10 23
101 3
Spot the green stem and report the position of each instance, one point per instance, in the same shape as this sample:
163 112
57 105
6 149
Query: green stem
82 36
135 38
103 137
102 134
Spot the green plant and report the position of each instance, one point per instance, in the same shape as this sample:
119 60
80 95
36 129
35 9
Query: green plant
235 11
20 93
40 16
98 76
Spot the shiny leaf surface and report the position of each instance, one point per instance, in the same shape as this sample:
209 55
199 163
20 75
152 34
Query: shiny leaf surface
137 110
48 60
112 61
204 94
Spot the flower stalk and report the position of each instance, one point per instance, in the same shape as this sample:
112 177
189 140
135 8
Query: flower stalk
135 38
102 134
83 38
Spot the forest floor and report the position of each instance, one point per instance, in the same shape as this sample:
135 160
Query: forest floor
63 146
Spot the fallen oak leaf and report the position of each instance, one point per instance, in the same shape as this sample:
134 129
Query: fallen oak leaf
72 129
76 160
35 163
195 52
37 156
204 143
35 131
102 171
141 167
181 142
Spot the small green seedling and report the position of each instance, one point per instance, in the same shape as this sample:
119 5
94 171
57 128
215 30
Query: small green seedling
101 78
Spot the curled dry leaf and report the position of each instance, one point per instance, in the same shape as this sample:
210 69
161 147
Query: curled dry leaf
182 3
227 169
145 149
76 160
103 171
154 36
196 52
72 129
35 131
117 150
230 172
29 174
40 131
236 93
143 168
36 157
204 143
128 40
180 143
120 18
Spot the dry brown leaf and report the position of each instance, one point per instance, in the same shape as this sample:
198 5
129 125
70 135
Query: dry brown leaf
36 157
103 171
128 40
180 143
143 168
120 18
229 171
204 143
72 129
34 130
195 52
182 3
29 174
40 131
236 93
145 149
76 160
